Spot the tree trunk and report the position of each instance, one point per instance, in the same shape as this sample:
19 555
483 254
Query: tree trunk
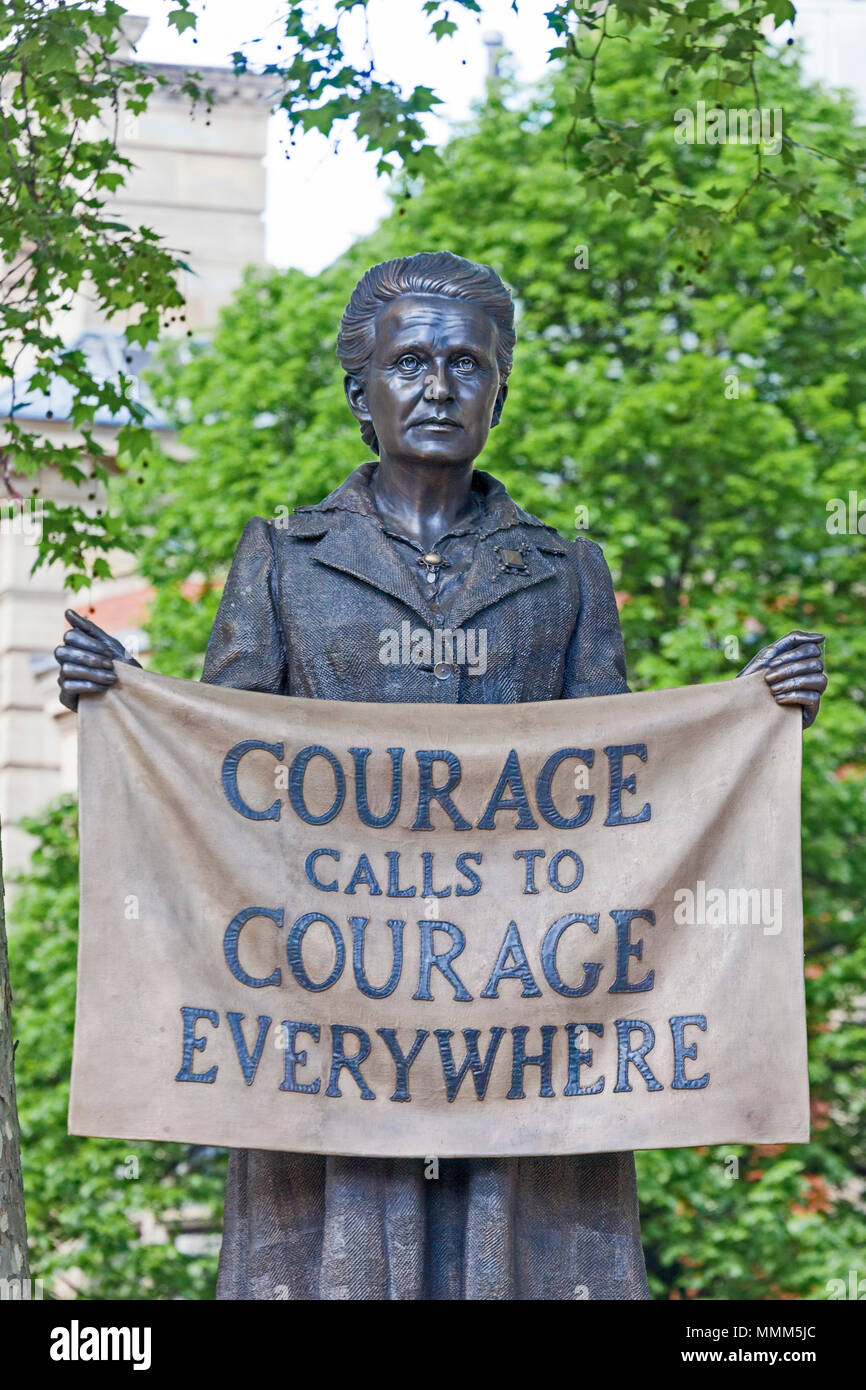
14 1265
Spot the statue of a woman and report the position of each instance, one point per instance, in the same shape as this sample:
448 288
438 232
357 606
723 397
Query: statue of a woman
422 536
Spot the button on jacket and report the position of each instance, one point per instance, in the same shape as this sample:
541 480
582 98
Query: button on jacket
308 604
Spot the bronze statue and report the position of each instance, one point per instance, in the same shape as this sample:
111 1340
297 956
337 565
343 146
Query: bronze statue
426 344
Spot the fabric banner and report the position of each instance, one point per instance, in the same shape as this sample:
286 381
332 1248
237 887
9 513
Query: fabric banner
413 930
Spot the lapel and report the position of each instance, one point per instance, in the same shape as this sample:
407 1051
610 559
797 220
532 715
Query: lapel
357 546
354 543
487 582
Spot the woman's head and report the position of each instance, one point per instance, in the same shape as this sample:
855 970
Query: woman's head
430 303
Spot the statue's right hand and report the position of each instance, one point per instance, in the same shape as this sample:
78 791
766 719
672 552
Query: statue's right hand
86 658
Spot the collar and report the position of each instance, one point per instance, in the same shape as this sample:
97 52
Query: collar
366 555
498 509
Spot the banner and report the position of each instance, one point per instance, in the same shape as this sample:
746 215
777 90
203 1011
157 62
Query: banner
414 930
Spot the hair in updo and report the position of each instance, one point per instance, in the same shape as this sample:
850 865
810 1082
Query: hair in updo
430 272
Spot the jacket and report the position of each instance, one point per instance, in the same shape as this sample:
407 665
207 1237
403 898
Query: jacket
311 606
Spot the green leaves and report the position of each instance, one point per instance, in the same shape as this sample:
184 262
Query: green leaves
56 57
181 20
781 10
58 70
694 381
443 28
713 51
93 1205
59 67
692 389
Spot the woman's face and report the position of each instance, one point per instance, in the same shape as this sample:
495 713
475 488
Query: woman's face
432 387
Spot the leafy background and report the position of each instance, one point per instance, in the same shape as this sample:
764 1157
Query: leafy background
702 398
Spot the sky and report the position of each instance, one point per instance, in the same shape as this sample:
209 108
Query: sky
321 199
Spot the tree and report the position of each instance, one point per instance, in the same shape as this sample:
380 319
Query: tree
713 50
700 425
88 1198
62 85
630 349
14 1264
62 89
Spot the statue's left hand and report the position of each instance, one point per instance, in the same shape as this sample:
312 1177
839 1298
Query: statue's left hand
794 670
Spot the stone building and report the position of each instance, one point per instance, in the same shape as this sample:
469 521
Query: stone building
199 181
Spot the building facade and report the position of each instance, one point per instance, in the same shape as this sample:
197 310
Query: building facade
200 182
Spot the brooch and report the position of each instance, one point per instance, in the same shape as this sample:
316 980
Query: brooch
432 563
511 561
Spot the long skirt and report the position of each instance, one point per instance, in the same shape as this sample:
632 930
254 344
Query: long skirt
307 1226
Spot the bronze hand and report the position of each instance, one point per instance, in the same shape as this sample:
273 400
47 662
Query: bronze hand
794 670
86 658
